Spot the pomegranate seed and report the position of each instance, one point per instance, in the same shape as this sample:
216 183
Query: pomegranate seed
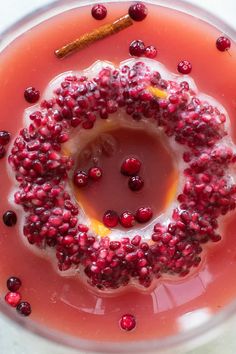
80 178
110 218
138 11
127 322
2 151
13 284
4 137
135 183
184 67
13 298
144 214
9 218
127 219
150 52
99 12
223 43
137 48
31 95
95 173
24 308
130 166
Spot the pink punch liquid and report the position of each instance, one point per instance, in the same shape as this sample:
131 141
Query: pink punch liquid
64 303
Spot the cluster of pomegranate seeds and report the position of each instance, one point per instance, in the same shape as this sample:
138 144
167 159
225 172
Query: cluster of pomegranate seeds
13 297
130 166
9 218
138 11
127 322
42 171
31 95
4 140
136 183
223 43
184 67
99 12
137 48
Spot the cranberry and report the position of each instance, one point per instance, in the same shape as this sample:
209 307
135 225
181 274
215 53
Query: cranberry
31 95
13 284
137 48
138 11
80 178
127 219
184 67
99 12
150 52
13 298
4 137
144 214
2 151
110 218
95 173
127 322
223 43
130 166
24 308
135 183
9 218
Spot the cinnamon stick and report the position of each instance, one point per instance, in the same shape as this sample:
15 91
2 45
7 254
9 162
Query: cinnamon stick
96 35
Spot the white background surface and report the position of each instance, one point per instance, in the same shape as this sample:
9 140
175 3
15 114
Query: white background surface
12 342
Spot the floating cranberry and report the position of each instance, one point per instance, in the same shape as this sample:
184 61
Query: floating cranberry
2 151
13 284
135 183
130 167
24 308
80 178
144 214
13 298
138 11
95 173
9 218
184 67
150 52
127 322
110 218
127 219
137 48
223 43
32 95
99 12
4 137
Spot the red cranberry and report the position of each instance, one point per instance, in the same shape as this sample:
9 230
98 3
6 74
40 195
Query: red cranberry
110 218
130 167
137 48
144 214
99 12
9 218
127 219
95 173
13 284
4 137
24 308
32 95
184 67
13 298
127 322
138 11
80 178
2 151
150 52
136 183
223 43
